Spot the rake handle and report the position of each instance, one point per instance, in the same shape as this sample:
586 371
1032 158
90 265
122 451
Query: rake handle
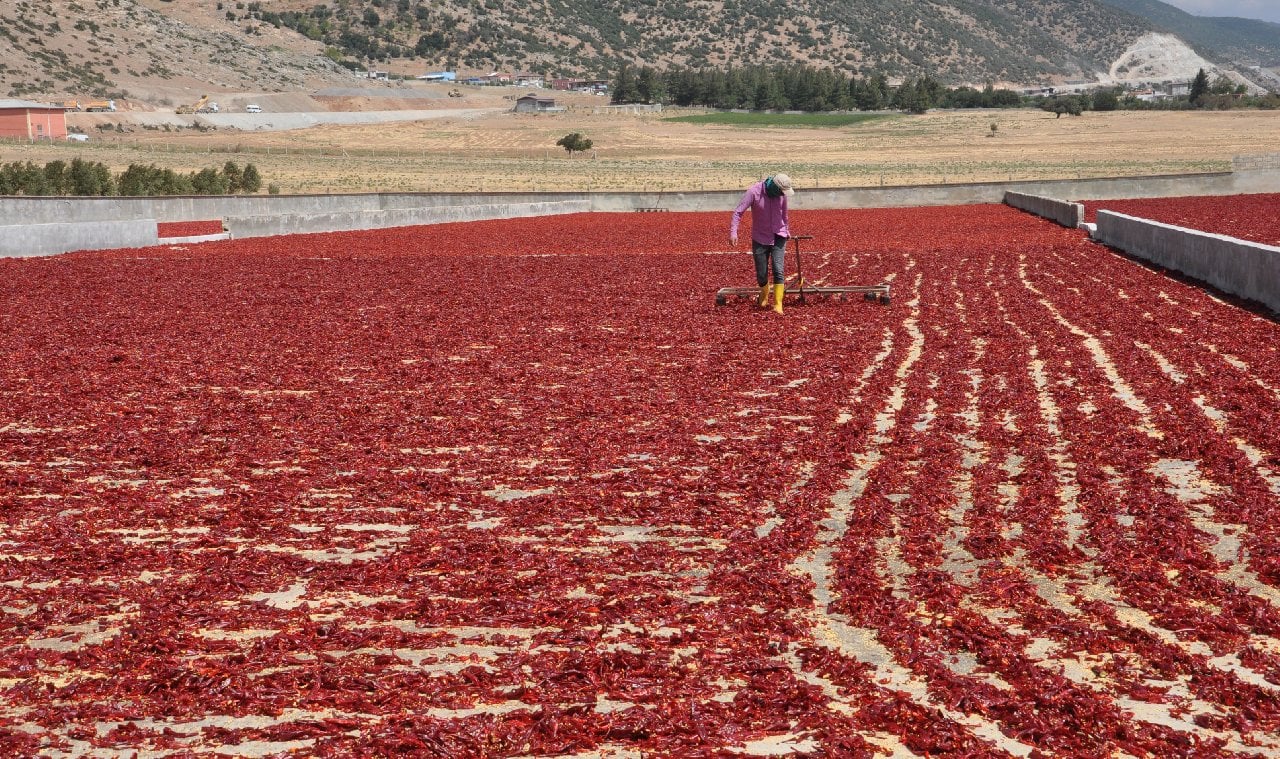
799 266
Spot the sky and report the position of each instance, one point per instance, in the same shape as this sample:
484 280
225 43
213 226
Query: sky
1267 10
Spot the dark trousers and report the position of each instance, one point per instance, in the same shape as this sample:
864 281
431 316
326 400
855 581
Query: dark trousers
765 255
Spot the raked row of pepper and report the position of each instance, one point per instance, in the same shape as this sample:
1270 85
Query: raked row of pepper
1248 217
520 488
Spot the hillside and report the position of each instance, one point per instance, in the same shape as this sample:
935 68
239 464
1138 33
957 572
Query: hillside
1240 41
120 48
960 40
168 52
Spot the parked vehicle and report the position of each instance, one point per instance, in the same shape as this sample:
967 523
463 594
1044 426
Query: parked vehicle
253 108
77 137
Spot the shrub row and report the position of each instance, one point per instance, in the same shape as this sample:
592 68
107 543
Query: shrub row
82 177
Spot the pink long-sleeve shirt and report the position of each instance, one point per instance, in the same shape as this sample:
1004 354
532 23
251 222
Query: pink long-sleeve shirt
768 215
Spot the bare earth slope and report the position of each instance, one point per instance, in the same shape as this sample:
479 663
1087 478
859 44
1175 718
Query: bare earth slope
123 49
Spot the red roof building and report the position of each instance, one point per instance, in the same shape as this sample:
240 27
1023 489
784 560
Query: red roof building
26 120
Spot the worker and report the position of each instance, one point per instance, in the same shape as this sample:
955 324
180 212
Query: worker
767 200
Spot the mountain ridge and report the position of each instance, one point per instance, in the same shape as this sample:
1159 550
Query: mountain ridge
172 50
1240 41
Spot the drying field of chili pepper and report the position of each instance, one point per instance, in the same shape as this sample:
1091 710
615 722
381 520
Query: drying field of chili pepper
188 228
1248 217
519 488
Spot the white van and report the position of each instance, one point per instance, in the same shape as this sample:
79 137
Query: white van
253 109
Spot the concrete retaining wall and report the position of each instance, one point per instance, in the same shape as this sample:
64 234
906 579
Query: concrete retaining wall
288 224
1067 214
326 213
199 208
1219 183
24 240
34 210
1245 269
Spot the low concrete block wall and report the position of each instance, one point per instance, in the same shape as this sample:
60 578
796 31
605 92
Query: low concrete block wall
23 240
1065 213
289 224
256 215
43 210
1245 269
1214 183
46 210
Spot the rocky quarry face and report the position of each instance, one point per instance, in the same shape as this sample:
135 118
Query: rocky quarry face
1155 58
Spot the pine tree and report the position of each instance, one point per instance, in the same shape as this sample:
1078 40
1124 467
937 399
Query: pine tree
624 86
649 86
1199 88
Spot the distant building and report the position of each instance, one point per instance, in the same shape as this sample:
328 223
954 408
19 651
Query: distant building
537 104
438 76
26 120
494 78
581 85
529 80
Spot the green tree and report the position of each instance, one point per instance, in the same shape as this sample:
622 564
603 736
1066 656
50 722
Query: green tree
173 183
151 180
1223 86
1199 88
135 180
1105 100
574 143
22 179
769 96
57 180
625 88
90 178
913 97
429 44
8 179
209 182
872 93
649 86
1006 98
234 177
250 180
1059 105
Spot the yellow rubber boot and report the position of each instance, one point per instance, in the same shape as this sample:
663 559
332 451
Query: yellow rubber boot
778 291
763 300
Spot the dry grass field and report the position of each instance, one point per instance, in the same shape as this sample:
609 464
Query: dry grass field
495 151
